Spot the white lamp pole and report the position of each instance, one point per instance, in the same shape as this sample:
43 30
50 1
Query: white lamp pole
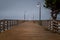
33 16
24 16
39 6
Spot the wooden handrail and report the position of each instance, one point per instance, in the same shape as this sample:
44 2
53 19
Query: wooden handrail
7 24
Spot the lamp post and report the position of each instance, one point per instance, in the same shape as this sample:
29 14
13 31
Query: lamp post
24 15
39 6
33 18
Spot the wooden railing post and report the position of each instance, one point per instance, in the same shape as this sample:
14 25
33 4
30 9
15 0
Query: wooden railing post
5 24
1 25
9 24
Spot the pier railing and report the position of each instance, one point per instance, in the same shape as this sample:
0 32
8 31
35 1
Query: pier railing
7 24
47 24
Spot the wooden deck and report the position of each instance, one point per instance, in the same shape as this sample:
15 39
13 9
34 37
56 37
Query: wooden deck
28 31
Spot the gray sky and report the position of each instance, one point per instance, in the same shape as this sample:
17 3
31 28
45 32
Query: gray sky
15 9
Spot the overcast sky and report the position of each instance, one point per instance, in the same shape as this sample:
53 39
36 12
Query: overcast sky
15 9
